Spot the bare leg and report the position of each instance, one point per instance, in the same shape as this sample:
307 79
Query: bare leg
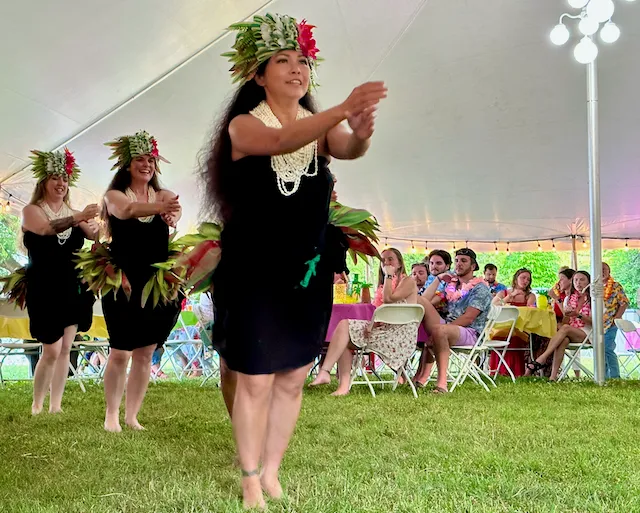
337 346
443 337
284 410
137 384
250 414
115 376
426 364
558 356
61 370
43 374
344 372
228 380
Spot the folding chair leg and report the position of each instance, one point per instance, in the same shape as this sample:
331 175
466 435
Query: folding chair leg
503 362
78 379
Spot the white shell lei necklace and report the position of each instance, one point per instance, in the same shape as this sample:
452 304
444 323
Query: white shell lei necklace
151 198
290 167
64 211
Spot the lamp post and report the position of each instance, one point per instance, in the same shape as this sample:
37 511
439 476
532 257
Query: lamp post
594 16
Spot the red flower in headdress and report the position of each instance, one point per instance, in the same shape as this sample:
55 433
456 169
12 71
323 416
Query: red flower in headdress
154 151
70 162
305 40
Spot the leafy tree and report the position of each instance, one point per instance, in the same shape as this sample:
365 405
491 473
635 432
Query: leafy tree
9 233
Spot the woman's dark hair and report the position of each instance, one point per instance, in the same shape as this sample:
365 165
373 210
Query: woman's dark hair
120 182
445 255
514 282
215 162
567 273
584 273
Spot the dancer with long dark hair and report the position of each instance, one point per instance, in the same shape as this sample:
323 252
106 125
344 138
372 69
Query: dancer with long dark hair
138 213
268 182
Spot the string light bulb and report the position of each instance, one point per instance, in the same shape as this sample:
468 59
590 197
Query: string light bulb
508 247
496 246
413 248
626 245
386 243
426 248
539 246
553 245
584 243
454 247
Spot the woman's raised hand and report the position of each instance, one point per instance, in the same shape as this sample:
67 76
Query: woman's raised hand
363 97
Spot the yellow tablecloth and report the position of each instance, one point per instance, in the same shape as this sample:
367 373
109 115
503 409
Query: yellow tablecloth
534 320
14 323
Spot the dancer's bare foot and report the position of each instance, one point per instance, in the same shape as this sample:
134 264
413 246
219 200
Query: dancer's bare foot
112 423
340 392
252 497
271 485
134 424
323 378
55 410
36 410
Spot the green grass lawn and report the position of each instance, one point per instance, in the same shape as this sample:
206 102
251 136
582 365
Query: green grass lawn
529 447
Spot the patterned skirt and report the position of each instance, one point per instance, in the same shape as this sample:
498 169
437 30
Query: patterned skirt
394 343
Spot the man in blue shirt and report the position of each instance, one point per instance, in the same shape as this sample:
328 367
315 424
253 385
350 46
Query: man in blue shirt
490 275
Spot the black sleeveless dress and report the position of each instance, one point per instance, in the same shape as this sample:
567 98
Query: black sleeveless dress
135 246
272 322
56 297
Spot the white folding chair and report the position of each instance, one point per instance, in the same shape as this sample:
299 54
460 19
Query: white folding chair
400 313
507 315
464 357
576 347
626 328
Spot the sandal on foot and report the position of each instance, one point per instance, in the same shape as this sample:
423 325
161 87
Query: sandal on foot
418 384
439 390
535 366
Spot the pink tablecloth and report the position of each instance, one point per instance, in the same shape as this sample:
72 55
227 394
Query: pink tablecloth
360 311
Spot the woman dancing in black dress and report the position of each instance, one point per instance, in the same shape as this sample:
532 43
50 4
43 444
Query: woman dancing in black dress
268 182
57 302
138 214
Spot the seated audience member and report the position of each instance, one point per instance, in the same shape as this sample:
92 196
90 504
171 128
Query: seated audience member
468 303
420 273
394 343
576 324
439 261
490 277
520 292
615 303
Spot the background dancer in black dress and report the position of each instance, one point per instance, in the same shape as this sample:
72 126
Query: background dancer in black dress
138 213
57 302
268 182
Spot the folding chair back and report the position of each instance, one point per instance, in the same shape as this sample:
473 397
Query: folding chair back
632 346
507 315
625 326
576 347
400 313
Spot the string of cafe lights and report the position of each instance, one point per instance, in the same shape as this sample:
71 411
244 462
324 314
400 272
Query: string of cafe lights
437 244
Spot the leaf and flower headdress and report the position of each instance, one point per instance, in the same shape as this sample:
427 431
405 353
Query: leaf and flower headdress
126 148
54 163
259 40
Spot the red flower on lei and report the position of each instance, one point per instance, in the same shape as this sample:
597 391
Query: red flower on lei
70 162
154 145
305 40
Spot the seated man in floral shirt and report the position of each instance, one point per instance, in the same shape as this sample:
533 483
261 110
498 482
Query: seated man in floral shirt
468 303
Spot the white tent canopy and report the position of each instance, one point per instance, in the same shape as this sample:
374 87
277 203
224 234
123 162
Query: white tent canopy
482 138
